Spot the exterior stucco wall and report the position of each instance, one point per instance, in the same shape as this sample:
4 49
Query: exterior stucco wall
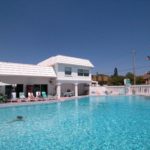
74 76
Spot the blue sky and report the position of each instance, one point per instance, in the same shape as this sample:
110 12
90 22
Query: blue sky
104 31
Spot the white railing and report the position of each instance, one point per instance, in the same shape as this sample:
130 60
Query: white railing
141 90
121 90
116 90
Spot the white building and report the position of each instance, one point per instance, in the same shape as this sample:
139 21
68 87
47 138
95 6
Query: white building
55 75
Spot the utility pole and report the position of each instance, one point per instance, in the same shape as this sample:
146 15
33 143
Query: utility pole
133 65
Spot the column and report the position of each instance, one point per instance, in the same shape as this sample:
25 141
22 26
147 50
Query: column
76 89
90 85
58 90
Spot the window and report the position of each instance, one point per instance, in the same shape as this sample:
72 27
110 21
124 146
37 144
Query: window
68 71
82 72
86 72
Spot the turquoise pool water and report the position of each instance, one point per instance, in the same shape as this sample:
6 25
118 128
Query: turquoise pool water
91 123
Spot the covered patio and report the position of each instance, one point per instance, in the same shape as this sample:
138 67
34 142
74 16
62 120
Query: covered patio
66 88
26 78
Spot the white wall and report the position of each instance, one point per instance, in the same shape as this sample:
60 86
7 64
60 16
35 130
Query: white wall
97 90
74 76
120 90
2 89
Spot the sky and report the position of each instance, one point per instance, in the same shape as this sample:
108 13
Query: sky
103 31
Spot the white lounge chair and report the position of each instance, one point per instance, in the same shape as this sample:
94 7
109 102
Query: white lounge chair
38 96
22 97
13 97
31 97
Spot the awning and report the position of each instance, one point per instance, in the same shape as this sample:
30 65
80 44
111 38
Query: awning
4 84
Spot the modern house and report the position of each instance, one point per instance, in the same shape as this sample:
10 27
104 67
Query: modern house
55 75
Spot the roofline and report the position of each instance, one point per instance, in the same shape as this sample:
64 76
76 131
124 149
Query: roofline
71 56
75 65
32 65
64 56
18 63
92 66
26 76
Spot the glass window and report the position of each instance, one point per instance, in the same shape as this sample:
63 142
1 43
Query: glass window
80 72
86 72
68 71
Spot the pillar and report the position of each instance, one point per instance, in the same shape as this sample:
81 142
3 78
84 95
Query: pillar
58 90
90 86
76 89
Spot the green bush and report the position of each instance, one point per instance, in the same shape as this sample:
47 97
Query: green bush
2 98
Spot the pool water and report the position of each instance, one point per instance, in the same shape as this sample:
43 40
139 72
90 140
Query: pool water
90 123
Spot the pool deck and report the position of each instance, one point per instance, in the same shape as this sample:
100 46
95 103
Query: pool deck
62 99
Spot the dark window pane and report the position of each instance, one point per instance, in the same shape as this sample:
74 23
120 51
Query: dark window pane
68 71
86 72
80 72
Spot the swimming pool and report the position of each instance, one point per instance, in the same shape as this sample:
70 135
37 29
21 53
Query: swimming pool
90 123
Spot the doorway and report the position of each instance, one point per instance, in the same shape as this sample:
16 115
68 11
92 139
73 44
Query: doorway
19 88
8 91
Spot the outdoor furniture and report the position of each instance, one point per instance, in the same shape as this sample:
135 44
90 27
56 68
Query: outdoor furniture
49 97
31 97
22 97
44 95
38 96
13 97
68 94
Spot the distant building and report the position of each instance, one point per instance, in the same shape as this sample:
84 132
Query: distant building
101 78
147 77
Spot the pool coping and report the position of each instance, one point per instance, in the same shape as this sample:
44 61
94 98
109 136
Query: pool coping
63 99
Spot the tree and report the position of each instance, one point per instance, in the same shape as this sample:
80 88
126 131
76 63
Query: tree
115 72
130 76
116 80
140 80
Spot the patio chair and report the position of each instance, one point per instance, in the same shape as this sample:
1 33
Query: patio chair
38 96
22 97
13 97
31 97
49 97
44 95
